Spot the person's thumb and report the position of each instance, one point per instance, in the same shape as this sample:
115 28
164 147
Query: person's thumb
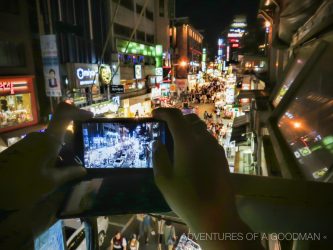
66 174
163 169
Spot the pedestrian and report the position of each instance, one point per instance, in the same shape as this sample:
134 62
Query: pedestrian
169 235
160 232
133 243
137 114
118 242
205 115
146 228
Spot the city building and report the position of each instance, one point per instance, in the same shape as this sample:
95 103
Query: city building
288 130
187 45
103 49
231 41
19 92
141 61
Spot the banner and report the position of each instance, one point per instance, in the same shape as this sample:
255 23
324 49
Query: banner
51 65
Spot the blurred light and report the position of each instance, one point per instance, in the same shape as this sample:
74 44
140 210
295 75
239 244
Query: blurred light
183 63
267 24
297 125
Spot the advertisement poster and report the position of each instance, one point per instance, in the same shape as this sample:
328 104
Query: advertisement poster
51 65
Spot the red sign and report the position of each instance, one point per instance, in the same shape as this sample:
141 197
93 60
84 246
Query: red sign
7 85
233 41
235 45
11 86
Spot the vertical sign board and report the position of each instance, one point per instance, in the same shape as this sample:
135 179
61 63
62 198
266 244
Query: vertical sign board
138 71
51 65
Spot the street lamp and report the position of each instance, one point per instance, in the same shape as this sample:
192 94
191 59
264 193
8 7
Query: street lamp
181 64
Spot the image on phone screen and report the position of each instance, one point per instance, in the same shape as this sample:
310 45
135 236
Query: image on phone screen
120 145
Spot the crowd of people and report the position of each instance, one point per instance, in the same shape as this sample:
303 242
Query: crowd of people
151 229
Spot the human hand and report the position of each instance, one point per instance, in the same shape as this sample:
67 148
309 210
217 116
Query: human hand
28 171
197 184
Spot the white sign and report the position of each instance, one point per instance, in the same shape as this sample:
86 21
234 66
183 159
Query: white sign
116 100
235 35
51 65
86 74
138 71
159 71
159 79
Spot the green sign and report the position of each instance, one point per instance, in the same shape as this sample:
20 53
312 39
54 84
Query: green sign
138 48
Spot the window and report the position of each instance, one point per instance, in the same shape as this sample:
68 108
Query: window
126 3
15 110
162 9
122 30
139 8
12 54
150 38
149 15
11 7
140 35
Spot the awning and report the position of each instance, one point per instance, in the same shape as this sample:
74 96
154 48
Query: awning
241 121
238 134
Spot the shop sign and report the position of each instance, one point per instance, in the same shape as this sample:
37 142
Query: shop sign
51 65
159 71
116 100
138 71
117 89
8 86
173 88
86 74
159 79
105 74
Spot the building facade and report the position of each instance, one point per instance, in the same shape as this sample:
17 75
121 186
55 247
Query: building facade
187 45
19 91
103 43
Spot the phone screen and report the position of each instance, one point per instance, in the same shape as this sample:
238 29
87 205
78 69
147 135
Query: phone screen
120 144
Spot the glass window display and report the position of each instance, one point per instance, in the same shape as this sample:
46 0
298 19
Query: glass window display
15 110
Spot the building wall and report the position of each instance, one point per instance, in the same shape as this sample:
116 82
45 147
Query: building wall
16 56
187 47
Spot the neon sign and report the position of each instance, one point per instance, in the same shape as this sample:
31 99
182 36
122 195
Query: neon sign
8 85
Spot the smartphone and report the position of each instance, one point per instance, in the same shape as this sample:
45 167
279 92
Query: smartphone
118 156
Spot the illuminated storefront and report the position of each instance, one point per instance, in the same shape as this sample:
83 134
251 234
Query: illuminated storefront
83 77
17 103
140 105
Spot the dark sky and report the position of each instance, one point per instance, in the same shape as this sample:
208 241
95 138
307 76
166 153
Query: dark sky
215 15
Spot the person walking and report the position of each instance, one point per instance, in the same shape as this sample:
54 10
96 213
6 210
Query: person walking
169 236
160 232
146 228
133 243
118 242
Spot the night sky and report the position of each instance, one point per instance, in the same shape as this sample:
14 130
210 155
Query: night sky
214 16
